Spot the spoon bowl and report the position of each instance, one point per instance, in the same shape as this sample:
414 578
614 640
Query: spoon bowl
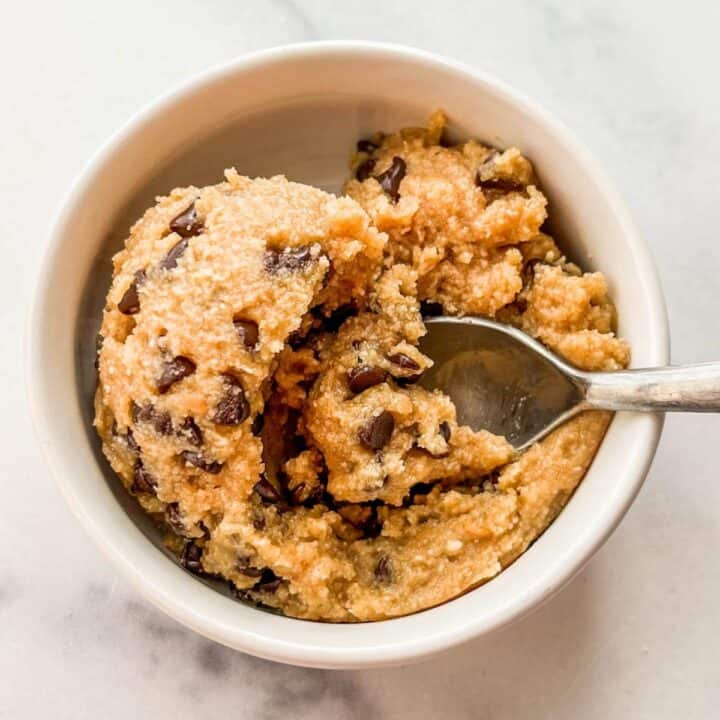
500 379
504 381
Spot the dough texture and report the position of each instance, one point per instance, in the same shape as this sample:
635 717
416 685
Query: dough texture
258 376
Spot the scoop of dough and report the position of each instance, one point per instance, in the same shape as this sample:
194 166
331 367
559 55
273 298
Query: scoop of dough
189 344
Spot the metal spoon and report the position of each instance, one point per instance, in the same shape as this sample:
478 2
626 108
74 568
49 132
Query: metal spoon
502 380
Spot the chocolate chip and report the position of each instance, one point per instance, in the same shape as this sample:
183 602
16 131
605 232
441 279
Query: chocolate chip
187 223
159 419
376 434
504 185
143 481
171 259
190 431
384 570
269 582
191 558
267 491
247 331
137 412
257 424
364 377
390 179
173 517
364 169
162 423
131 441
130 302
197 460
173 371
233 407
445 430
366 146
290 259
243 566
431 309
404 361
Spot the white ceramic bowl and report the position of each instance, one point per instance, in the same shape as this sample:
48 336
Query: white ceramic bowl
298 110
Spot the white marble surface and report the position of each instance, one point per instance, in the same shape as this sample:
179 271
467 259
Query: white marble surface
636 635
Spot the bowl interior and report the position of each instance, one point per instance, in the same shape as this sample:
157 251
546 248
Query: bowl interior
299 112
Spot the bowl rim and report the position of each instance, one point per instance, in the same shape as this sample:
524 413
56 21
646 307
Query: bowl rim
247 639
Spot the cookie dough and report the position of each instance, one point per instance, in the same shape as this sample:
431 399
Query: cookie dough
258 376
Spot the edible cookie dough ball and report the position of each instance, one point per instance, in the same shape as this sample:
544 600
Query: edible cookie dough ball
450 212
188 341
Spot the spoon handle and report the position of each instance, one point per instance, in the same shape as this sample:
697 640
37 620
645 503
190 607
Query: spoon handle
688 388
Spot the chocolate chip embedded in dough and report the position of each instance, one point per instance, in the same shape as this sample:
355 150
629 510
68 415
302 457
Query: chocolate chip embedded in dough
162 423
130 441
173 371
187 223
403 361
247 331
267 491
365 376
174 519
143 481
233 407
290 259
243 566
199 461
130 302
170 260
159 419
384 570
376 433
364 169
190 431
503 185
392 177
191 558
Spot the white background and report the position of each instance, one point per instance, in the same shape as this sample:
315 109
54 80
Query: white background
637 634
